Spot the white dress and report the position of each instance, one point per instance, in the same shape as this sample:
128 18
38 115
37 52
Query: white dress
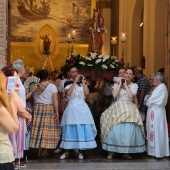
156 123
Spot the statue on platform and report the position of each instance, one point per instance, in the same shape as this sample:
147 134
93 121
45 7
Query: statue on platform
96 28
46 44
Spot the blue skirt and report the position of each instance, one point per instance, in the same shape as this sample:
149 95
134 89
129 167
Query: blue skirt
125 138
78 137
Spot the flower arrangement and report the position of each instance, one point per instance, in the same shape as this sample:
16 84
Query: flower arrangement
94 62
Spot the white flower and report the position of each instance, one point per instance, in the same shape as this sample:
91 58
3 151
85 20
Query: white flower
104 66
82 63
88 58
98 61
113 57
93 55
68 58
83 56
112 66
106 56
104 59
117 61
100 56
90 65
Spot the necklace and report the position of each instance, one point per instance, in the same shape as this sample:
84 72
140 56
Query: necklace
128 84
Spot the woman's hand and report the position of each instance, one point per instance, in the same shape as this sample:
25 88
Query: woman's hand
76 79
122 81
11 95
83 80
125 83
28 121
11 98
34 89
56 116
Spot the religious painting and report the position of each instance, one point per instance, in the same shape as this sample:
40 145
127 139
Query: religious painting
64 16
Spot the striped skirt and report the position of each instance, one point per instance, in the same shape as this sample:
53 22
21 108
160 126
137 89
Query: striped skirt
125 138
46 130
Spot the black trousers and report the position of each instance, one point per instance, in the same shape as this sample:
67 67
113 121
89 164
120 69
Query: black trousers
7 166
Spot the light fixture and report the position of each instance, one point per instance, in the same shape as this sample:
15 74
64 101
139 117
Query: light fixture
141 25
69 41
113 42
122 39
73 34
71 38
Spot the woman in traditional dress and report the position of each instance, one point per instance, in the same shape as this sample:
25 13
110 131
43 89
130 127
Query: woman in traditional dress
78 128
121 124
46 129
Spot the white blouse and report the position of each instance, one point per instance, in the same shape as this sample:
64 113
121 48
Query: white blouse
22 92
78 91
46 96
61 87
123 94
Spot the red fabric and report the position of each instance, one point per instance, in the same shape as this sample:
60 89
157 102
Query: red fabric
169 129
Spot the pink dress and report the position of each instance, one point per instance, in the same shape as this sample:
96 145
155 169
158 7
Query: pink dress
18 138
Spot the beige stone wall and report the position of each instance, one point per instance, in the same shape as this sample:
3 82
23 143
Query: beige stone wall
3 32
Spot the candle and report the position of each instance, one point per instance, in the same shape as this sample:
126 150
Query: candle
122 37
73 34
113 40
69 37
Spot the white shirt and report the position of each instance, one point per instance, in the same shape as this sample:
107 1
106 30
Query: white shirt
123 94
78 91
22 92
61 87
46 96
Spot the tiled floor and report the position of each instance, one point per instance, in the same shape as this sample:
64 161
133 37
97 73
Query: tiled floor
95 160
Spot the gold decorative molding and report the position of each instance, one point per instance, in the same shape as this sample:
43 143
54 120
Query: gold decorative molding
20 44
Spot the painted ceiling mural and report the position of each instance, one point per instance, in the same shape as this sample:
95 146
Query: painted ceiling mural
29 16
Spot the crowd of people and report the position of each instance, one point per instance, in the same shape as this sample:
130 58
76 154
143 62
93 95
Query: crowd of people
62 115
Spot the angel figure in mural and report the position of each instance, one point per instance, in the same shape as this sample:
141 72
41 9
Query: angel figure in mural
75 11
96 27
74 18
45 6
46 44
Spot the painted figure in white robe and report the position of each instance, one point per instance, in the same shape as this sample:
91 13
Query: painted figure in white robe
156 123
